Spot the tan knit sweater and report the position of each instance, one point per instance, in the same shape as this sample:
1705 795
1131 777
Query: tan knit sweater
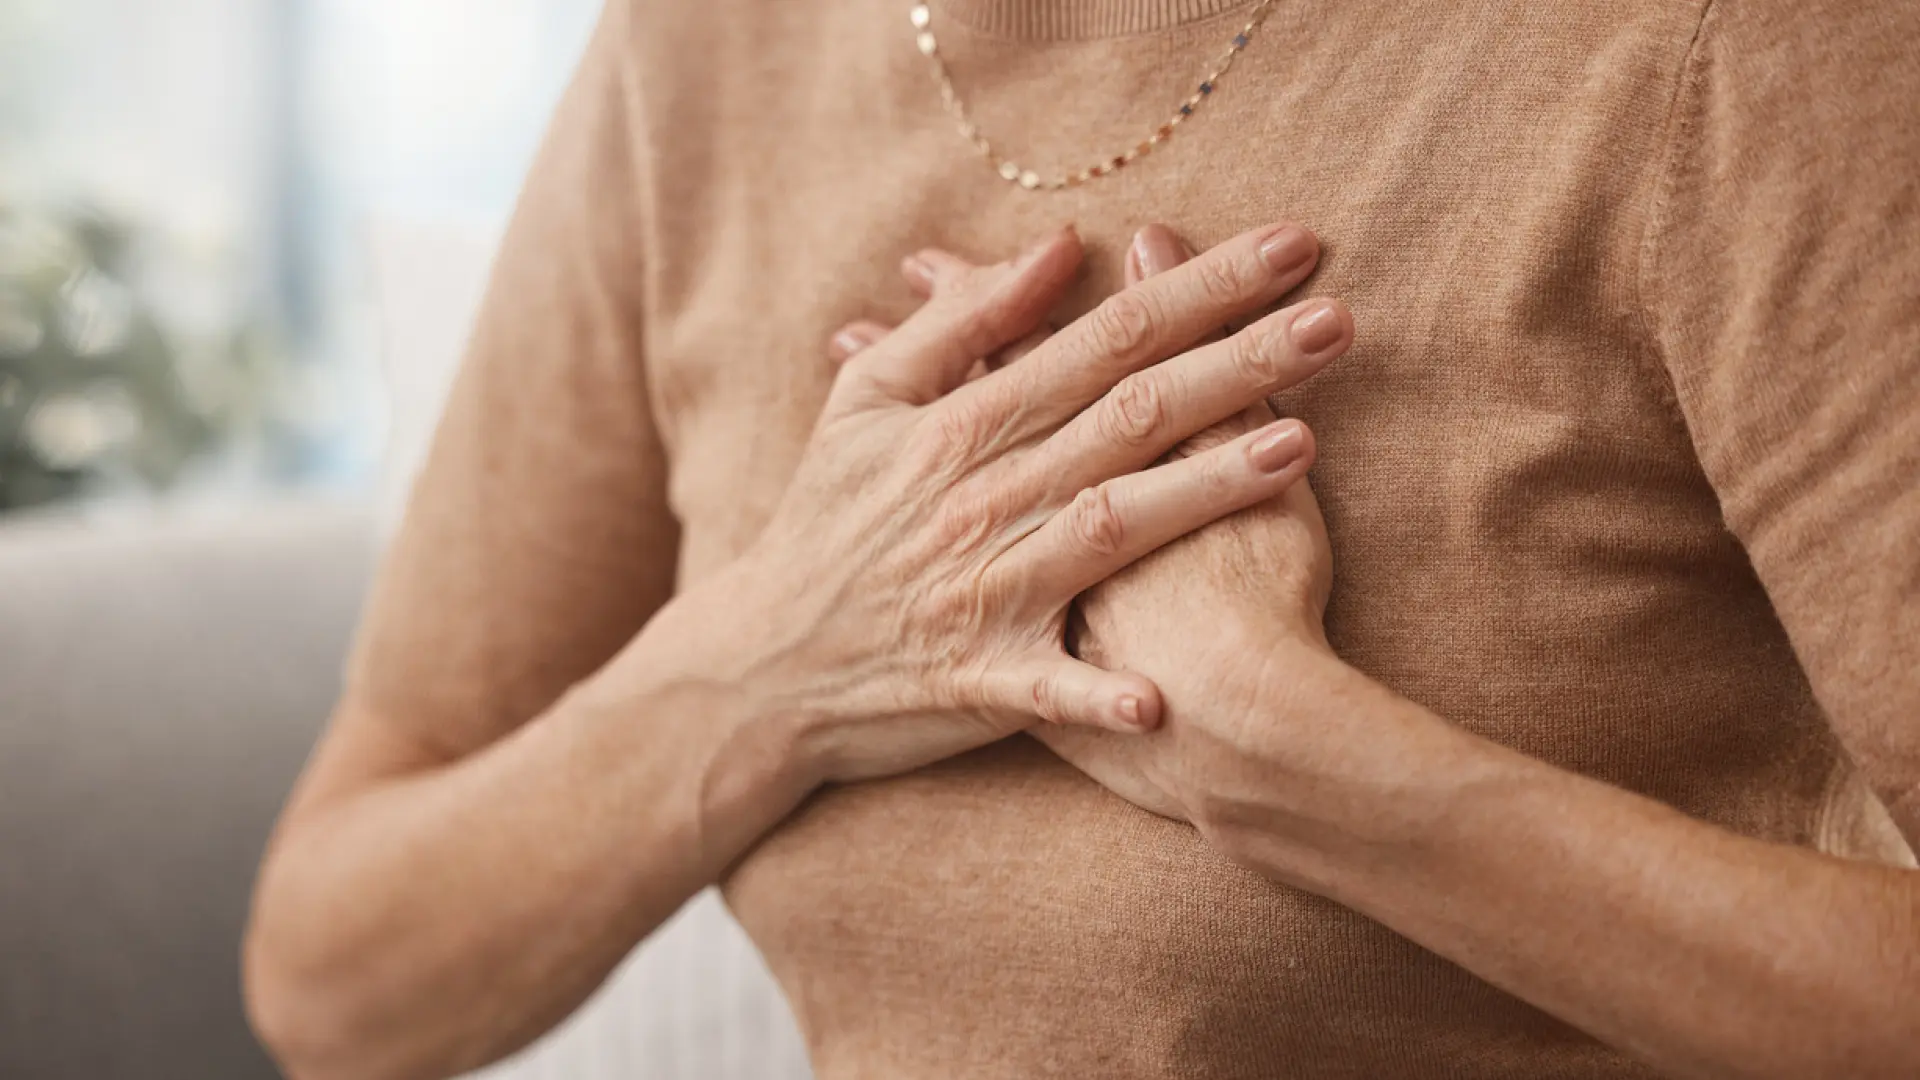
1623 471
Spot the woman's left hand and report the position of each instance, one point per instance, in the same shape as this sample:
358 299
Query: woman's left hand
1218 619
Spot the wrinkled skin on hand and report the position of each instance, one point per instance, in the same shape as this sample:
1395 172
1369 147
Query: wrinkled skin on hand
1212 618
1207 617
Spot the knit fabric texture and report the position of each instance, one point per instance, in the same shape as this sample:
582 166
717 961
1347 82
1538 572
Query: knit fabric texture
1623 470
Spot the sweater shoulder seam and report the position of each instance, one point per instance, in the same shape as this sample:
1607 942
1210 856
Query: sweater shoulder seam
1678 130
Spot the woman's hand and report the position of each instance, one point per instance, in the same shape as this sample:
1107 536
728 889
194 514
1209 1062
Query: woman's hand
1206 616
908 599
1210 604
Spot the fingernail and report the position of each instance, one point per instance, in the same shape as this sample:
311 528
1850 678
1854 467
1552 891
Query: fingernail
1287 249
1318 329
1276 450
1157 251
849 342
918 270
1130 709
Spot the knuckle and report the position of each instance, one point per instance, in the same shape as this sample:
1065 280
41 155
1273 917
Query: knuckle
1135 412
1222 478
964 309
988 315
956 523
1223 281
970 513
951 435
1257 357
1095 522
1124 324
1045 698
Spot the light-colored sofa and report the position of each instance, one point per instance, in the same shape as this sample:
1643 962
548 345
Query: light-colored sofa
161 682
160 685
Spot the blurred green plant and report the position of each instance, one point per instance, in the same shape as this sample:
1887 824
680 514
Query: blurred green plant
96 392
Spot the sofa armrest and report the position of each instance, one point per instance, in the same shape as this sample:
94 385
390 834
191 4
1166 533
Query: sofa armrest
160 686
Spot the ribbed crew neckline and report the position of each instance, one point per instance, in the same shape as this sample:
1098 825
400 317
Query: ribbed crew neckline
1066 20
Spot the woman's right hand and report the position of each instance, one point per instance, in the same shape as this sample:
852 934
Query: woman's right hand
908 599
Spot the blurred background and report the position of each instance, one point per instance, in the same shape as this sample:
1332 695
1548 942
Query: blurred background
240 245
199 201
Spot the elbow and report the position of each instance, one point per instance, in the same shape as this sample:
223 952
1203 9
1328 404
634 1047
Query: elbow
305 1026
287 1018
318 1018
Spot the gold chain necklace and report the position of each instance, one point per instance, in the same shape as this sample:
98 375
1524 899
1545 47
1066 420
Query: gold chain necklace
922 18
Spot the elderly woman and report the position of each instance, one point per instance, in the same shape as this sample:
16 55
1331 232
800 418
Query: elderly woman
1000 673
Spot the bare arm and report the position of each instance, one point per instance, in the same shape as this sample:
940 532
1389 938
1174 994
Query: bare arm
1708 954
537 543
522 783
1785 292
1783 286
1705 953
420 916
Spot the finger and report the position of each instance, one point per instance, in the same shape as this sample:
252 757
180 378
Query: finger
969 317
853 337
923 271
927 269
1112 524
1154 410
1156 249
1252 418
1063 690
1144 324
1018 349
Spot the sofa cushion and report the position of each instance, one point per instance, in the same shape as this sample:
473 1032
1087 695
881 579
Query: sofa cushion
160 685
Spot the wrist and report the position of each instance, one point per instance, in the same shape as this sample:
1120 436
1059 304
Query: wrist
1381 773
693 676
768 655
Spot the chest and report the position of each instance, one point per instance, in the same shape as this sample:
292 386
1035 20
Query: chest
1515 507
1503 476
1486 238
1519 525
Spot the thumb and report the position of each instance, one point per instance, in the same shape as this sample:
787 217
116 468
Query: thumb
1063 690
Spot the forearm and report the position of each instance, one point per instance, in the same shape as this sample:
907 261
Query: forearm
1705 953
438 920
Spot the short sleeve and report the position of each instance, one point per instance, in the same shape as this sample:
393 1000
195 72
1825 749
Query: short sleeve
1782 268
537 539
